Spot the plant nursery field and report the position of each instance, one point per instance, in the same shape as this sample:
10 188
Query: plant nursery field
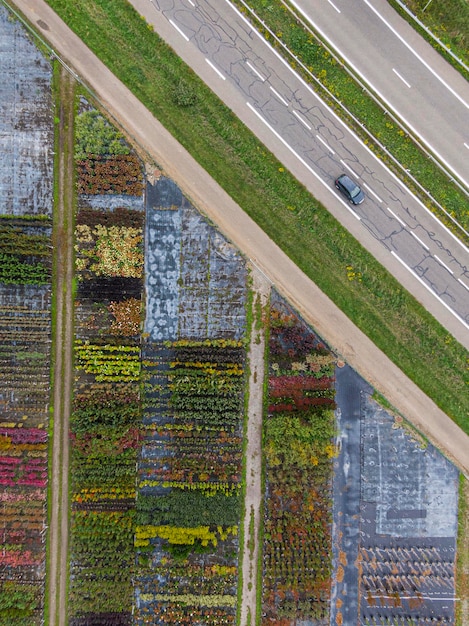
156 437
157 444
359 515
106 414
190 465
157 427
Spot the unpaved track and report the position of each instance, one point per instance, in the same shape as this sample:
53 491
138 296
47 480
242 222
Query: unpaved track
253 499
57 569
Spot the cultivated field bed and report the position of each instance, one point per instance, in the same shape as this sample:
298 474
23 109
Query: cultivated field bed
190 464
106 412
26 144
298 449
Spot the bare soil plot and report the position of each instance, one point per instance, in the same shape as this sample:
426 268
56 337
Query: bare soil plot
26 125
395 518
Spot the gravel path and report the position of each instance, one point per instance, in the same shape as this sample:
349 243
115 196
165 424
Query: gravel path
253 435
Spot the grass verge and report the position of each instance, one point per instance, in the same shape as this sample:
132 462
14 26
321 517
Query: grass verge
307 232
448 20
462 560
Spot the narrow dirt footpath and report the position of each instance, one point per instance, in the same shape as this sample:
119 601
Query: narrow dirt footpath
62 240
252 549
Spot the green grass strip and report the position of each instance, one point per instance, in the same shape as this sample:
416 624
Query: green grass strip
282 207
462 556
448 20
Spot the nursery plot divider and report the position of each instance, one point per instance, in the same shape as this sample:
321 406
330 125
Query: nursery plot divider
250 584
62 354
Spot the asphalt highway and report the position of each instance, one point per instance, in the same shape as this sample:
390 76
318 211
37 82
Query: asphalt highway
425 92
262 89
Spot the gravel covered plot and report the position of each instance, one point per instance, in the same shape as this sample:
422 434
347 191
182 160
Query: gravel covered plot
111 202
26 123
195 279
408 525
395 518
25 335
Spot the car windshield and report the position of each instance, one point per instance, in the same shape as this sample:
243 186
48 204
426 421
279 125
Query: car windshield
355 191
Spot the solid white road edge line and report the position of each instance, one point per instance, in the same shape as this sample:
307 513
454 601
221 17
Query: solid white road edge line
456 315
178 30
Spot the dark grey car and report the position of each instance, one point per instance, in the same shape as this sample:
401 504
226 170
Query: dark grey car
350 189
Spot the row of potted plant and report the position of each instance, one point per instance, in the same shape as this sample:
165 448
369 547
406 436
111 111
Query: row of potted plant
106 417
298 453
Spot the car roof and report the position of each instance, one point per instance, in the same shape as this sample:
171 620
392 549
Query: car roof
347 182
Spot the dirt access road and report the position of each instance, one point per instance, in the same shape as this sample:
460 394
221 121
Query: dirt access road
62 238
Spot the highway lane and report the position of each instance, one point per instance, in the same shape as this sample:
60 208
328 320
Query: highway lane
408 75
313 142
